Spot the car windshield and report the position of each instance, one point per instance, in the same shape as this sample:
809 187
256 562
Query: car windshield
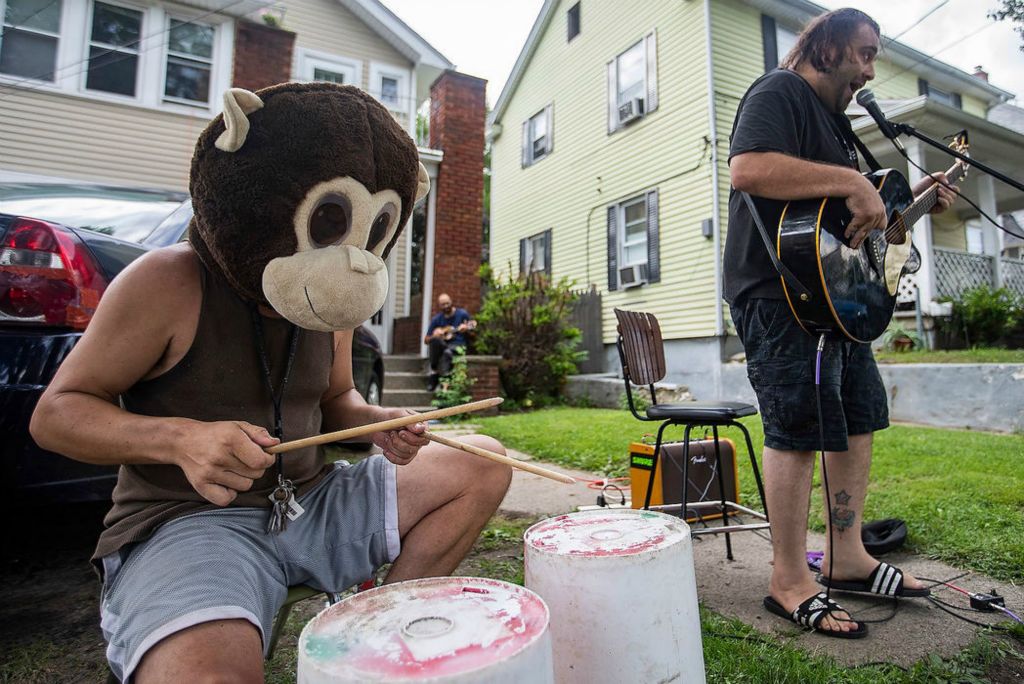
122 213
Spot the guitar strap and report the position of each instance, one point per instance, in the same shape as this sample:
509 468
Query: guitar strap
787 275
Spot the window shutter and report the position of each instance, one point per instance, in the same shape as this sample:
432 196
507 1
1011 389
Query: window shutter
958 101
651 47
547 251
526 144
613 98
549 114
769 38
522 256
613 249
653 251
922 86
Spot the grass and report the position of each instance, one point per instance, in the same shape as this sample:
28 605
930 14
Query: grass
960 492
980 355
733 651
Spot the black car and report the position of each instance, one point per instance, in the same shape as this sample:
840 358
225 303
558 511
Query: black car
54 268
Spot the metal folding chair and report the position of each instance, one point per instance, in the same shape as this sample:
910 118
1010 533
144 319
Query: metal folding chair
642 353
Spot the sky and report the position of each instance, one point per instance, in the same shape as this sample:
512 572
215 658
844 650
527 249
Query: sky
484 37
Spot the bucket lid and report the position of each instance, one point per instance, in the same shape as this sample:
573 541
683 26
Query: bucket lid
619 532
423 629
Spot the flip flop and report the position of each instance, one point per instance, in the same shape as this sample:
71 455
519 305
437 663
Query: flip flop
884 580
811 612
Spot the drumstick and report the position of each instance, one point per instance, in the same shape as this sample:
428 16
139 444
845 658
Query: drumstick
522 465
391 424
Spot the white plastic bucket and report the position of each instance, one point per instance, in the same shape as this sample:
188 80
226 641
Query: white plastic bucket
442 629
621 590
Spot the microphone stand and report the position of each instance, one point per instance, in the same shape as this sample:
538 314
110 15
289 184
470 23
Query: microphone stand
910 130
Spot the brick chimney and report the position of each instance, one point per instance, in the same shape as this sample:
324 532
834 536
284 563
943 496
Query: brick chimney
980 73
457 120
263 55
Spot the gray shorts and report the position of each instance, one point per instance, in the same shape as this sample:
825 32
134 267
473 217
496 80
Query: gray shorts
222 564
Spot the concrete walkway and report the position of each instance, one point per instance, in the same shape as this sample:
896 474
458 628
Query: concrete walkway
736 588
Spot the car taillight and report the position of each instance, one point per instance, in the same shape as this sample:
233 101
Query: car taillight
47 276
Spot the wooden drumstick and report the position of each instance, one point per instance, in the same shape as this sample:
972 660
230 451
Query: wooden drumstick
390 424
521 465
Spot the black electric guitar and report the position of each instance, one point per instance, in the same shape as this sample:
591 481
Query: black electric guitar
853 291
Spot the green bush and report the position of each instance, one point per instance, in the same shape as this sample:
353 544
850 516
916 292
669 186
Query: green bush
524 319
454 387
987 317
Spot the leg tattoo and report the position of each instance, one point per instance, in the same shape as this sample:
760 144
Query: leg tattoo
842 517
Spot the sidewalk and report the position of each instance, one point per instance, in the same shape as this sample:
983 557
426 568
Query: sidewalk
736 588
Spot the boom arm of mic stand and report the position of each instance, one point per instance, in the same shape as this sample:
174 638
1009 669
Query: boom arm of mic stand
910 130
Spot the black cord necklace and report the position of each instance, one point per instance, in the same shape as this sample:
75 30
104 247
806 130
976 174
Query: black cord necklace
283 496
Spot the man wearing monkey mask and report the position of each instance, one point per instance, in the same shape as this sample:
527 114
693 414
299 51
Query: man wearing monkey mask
235 341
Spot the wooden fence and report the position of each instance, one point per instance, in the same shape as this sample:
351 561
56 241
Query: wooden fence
586 315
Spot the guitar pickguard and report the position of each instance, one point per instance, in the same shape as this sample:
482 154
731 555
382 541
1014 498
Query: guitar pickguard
895 260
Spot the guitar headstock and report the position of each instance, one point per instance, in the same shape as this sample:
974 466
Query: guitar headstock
960 144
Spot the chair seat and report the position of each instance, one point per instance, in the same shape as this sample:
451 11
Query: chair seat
701 411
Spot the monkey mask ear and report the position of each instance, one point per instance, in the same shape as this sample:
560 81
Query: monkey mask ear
238 105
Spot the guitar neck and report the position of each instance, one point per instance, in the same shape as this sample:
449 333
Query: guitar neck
927 199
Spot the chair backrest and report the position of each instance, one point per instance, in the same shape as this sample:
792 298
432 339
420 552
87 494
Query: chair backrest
642 349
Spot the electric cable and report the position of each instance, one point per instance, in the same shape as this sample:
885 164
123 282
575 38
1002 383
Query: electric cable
959 194
928 58
924 16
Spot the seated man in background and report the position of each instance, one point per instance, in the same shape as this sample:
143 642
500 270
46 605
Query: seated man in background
446 333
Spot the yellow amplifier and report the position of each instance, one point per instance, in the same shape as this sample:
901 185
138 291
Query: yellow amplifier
703 476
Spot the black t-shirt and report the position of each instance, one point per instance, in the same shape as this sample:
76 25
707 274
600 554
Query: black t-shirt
779 113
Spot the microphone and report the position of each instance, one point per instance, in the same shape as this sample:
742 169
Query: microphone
866 99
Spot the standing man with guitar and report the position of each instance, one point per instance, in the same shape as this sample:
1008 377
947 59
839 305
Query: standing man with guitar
792 141
446 333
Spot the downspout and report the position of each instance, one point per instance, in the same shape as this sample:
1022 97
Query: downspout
716 230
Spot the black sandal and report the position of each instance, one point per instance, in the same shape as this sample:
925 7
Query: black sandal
884 580
811 612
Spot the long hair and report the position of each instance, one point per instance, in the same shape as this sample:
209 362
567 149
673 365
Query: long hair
824 40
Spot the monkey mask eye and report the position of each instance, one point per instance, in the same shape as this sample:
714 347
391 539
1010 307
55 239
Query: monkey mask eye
331 221
381 225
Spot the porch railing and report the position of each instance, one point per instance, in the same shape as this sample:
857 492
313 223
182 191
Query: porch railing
956 272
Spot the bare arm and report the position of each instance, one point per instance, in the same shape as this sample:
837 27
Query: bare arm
343 407
774 175
128 340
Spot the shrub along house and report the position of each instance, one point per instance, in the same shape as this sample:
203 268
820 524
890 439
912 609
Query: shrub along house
117 91
609 160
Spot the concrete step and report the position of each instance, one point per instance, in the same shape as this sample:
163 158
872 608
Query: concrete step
402 380
405 363
407 398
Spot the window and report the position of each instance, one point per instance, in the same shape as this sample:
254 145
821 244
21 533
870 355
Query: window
777 41
632 83
114 49
633 249
189 62
573 21
537 136
945 97
975 237
535 253
320 66
389 84
28 45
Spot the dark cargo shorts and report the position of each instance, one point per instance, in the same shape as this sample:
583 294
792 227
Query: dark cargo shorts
780 365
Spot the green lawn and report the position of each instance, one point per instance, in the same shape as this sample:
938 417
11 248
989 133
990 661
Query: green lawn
961 492
981 355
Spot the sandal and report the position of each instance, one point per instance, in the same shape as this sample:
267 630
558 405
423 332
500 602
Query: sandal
811 612
884 580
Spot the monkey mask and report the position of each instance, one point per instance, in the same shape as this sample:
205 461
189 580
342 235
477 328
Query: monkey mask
300 191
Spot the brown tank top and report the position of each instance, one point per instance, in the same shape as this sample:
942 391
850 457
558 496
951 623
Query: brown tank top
221 378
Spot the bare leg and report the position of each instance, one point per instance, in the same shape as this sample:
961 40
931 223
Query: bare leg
445 497
220 651
787 478
848 484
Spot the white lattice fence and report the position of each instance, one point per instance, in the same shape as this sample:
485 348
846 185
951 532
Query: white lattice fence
1013 275
956 272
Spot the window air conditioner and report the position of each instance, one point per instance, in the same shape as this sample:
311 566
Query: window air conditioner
633 276
633 109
